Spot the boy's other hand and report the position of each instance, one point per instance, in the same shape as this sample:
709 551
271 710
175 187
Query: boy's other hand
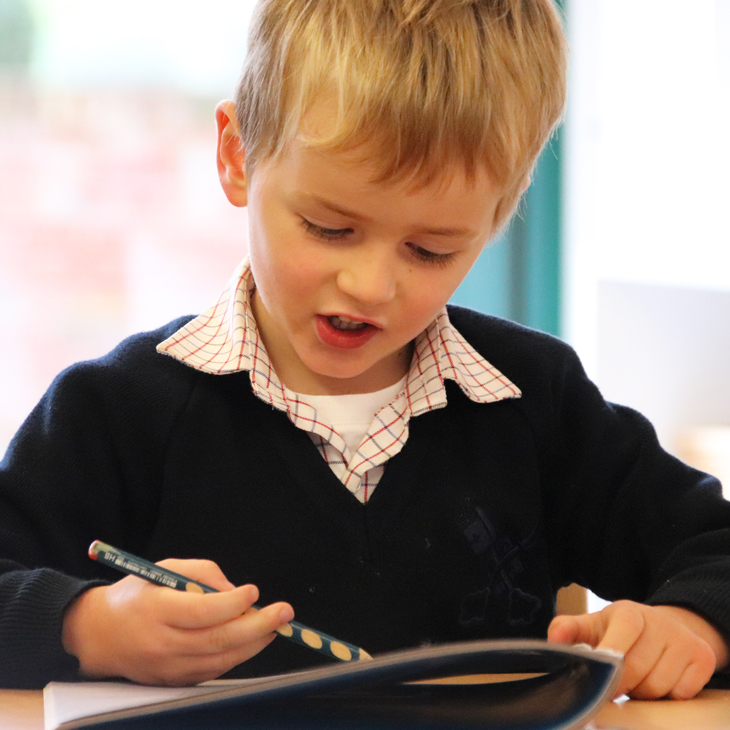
155 635
668 651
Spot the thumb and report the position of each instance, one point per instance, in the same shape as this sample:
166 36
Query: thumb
582 629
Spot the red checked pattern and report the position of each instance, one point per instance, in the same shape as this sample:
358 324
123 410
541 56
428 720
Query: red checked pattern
225 339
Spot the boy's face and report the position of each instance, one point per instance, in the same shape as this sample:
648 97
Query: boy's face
349 272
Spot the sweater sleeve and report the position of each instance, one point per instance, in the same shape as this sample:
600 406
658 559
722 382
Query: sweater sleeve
32 605
85 465
627 519
621 515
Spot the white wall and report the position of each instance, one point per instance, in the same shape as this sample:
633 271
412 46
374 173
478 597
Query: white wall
647 202
666 351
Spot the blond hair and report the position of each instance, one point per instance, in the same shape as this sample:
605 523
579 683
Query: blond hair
426 83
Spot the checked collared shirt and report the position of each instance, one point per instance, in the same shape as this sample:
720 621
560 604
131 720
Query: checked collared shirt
225 339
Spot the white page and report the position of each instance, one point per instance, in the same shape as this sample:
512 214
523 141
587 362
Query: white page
67 701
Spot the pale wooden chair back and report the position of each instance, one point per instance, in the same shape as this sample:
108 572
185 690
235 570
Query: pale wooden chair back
572 600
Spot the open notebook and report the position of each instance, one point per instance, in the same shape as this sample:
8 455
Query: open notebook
522 685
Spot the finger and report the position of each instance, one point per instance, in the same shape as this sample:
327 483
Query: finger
584 629
694 678
639 664
628 634
196 668
203 571
623 625
658 680
199 611
680 672
698 660
701 628
564 630
236 634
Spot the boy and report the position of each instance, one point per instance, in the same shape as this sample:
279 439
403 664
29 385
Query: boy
328 433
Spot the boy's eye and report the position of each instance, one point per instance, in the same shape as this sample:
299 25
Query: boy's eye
430 257
332 234
325 234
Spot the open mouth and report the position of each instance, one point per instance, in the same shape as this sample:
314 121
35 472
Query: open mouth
343 332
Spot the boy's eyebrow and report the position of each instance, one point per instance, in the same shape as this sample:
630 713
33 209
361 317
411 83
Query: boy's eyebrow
359 217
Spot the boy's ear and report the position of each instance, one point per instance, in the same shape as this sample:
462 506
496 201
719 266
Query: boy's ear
231 155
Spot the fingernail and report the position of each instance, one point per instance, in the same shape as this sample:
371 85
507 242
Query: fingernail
286 614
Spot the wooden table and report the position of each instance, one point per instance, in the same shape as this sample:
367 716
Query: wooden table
21 709
710 710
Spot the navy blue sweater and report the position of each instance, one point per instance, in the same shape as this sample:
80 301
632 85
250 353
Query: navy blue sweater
486 512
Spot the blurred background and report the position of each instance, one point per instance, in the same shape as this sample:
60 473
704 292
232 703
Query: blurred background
112 220
111 217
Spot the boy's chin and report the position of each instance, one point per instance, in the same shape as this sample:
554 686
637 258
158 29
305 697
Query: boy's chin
344 379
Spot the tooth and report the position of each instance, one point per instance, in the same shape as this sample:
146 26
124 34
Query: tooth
346 324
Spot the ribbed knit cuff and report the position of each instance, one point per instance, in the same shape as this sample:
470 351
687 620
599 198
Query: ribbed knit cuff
707 592
31 621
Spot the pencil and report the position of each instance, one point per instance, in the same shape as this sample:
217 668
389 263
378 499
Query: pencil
128 563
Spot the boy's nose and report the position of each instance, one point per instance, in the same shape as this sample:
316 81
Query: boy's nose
369 280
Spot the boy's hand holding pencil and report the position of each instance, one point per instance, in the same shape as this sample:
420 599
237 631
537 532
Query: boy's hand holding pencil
149 634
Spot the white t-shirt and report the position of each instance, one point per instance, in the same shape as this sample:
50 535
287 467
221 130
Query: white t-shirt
351 415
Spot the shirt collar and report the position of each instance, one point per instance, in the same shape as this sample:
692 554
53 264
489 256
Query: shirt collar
225 339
